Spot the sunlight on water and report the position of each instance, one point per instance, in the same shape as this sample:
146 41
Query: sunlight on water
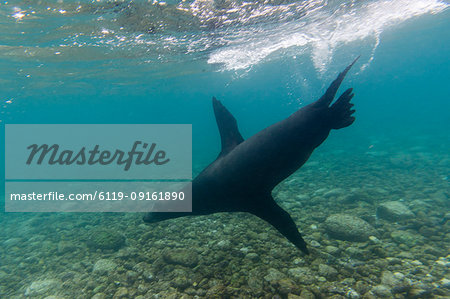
235 35
322 30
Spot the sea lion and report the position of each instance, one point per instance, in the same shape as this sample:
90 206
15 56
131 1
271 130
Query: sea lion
242 177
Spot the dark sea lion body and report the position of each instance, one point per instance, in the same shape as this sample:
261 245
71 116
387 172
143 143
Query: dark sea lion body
245 172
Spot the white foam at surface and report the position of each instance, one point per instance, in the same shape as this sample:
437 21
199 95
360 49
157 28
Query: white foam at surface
322 31
235 34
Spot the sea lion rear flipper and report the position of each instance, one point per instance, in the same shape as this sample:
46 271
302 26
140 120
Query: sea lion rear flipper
329 95
341 112
228 129
270 211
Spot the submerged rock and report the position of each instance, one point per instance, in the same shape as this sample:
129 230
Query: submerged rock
122 292
394 211
12 242
252 256
445 283
302 274
333 250
66 247
349 228
224 244
407 238
104 267
286 286
328 272
381 291
255 279
419 293
352 294
41 287
333 193
183 257
181 282
273 275
306 294
106 239
396 281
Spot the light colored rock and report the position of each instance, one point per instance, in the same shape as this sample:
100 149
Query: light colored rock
12 242
299 261
224 244
99 296
121 293
41 287
333 250
327 271
374 240
104 267
299 271
302 274
244 250
349 228
306 294
444 261
66 247
352 294
405 255
407 238
314 243
394 211
184 257
396 281
444 282
356 253
333 193
416 263
273 275
252 256
381 291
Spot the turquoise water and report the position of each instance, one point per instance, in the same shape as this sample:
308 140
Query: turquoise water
119 62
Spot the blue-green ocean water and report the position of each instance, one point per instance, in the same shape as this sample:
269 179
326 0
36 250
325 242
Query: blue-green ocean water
99 62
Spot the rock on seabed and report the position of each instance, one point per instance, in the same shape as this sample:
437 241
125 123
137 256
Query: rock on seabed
394 211
41 287
104 267
105 239
183 257
349 228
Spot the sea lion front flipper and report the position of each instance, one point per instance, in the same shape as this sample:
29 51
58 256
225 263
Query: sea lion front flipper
268 210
